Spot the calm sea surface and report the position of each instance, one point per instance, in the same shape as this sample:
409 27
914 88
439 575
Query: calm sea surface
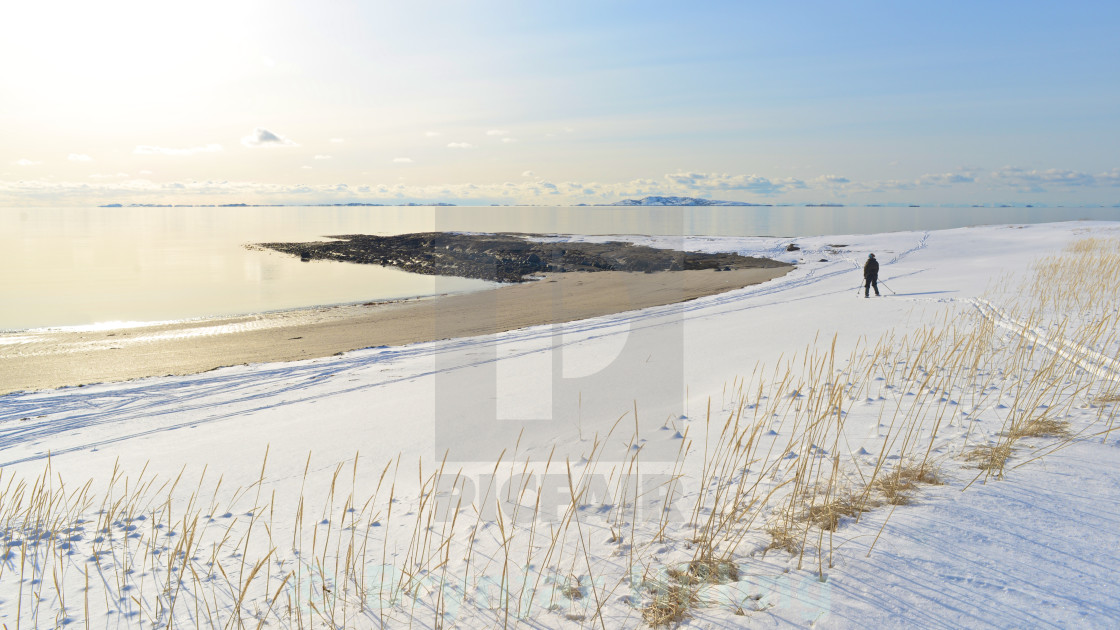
83 266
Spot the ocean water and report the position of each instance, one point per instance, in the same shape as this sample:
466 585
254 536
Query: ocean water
66 267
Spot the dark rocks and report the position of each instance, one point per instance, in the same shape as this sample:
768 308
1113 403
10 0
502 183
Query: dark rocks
507 257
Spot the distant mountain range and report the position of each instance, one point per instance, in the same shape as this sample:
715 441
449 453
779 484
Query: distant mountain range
680 201
644 201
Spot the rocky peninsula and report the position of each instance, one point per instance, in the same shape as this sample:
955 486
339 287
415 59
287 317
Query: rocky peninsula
508 257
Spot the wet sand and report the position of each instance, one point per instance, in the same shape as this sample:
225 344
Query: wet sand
49 359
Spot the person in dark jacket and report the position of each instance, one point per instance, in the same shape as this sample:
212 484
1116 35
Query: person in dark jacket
870 276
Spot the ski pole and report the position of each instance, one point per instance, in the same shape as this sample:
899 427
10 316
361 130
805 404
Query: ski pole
884 285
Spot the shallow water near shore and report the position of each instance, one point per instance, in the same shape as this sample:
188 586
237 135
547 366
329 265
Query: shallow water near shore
110 267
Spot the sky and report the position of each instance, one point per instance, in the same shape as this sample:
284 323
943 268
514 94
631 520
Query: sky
292 101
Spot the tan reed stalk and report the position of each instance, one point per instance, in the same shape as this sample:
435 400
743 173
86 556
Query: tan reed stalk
583 544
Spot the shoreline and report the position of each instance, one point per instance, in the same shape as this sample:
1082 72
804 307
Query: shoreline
50 359
116 326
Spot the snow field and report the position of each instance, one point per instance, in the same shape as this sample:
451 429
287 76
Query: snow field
775 473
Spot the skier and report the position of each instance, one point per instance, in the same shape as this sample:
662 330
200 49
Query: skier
870 276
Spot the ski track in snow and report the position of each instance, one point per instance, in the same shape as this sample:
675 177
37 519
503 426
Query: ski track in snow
1085 358
1011 554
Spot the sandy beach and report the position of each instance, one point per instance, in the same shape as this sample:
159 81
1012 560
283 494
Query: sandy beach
48 359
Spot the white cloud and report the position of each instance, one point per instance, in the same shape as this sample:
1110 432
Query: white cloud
26 162
946 179
1109 178
306 167
322 157
529 188
264 138
838 184
889 185
497 132
432 134
145 172
713 182
459 145
509 140
108 175
402 160
338 140
1036 181
78 157
831 180
151 150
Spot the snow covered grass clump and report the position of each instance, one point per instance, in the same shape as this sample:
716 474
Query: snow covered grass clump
754 505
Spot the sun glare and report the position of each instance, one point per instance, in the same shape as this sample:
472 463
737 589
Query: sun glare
128 50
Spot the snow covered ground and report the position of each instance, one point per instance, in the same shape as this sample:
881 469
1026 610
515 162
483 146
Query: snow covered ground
715 463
